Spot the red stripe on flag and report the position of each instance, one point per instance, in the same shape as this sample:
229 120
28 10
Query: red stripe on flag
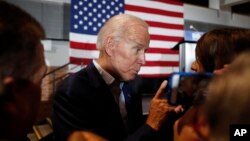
79 61
153 11
174 2
165 38
162 63
83 46
165 25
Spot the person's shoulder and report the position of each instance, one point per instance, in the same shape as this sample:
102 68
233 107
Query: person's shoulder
75 78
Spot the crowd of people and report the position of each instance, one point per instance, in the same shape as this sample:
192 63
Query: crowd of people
99 103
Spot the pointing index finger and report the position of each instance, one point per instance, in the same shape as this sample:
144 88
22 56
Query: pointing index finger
160 91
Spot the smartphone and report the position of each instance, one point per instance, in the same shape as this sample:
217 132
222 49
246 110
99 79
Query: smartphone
183 87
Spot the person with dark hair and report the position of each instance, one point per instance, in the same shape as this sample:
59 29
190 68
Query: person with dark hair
219 47
99 98
22 67
214 50
226 104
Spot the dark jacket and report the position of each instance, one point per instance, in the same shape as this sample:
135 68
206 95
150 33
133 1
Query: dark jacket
84 102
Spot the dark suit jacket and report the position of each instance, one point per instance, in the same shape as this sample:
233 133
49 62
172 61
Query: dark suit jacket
84 102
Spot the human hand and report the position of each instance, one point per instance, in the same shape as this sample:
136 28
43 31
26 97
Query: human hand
160 108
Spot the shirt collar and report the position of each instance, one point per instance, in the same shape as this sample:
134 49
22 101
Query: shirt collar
108 78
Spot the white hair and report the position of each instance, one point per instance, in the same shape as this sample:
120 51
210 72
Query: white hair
116 27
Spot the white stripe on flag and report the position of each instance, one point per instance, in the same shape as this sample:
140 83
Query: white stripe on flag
156 5
86 38
80 53
157 70
162 44
156 18
166 32
162 57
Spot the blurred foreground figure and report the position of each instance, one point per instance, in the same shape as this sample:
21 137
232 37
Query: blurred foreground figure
22 68
228 100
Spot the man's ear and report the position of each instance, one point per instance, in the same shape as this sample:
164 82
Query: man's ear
109 45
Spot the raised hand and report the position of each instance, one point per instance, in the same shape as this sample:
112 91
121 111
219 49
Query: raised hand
159 108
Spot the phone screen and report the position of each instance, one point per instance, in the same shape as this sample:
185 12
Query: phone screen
184 87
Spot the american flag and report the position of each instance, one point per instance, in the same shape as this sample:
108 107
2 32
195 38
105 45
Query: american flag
166 28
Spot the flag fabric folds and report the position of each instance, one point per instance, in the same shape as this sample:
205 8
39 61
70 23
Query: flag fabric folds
166 28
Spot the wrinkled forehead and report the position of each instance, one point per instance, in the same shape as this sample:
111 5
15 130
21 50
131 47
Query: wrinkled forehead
138 33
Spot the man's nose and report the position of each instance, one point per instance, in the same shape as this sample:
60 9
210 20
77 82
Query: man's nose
142 59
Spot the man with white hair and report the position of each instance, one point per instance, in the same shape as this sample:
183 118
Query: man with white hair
88 100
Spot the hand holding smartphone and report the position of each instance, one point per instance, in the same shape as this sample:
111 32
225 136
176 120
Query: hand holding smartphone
185 88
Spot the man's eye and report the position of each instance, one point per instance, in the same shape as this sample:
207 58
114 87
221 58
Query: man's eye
138 50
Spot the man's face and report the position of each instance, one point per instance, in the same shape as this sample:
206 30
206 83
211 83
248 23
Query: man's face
35 98
26 97
129 54
42 69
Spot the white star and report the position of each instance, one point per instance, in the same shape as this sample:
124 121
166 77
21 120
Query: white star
99 15
76 16
75 7
90 23
107 16
85 27
90 14
103 11
75 26
85 18
85 8
80 3
99 24
94 29
121 5
94 19
90 4
80 12
99 6
103 20
80 22
112 3
94 10
108 7
112 12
